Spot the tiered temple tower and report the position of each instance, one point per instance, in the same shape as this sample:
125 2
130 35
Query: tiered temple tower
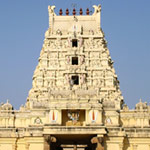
75 70
75 101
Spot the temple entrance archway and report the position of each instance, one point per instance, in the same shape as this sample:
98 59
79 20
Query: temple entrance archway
73 142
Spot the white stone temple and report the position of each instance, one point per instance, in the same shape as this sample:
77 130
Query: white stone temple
75 102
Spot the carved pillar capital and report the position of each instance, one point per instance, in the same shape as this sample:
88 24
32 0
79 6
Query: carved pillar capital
47 138
99 141
48 141
53 139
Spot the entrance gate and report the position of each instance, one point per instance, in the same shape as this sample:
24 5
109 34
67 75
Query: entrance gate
73 142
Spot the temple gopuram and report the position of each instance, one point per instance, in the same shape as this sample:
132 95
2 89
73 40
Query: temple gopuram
75 102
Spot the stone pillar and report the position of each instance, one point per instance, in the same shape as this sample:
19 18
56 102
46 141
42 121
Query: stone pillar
75 147
99 142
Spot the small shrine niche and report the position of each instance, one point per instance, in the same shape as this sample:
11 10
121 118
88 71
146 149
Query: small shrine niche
74 60
75 79
73 117
74 43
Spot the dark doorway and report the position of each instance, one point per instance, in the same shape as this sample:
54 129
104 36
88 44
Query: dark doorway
75 43
74 60
75 80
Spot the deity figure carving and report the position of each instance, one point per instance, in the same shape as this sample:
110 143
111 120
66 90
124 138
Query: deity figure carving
67 79
73 115
68 60
80 42
52 44
65 44
91 43
34 83
69 42
51 9
82 59
91 32
98 43
83 78
58 43
97 9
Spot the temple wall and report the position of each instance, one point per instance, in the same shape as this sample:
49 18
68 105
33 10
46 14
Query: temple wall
137 143
30 143
135 118
128 118
110 143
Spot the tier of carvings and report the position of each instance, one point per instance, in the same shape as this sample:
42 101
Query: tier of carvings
53 75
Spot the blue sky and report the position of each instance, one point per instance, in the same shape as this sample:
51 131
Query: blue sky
126 25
